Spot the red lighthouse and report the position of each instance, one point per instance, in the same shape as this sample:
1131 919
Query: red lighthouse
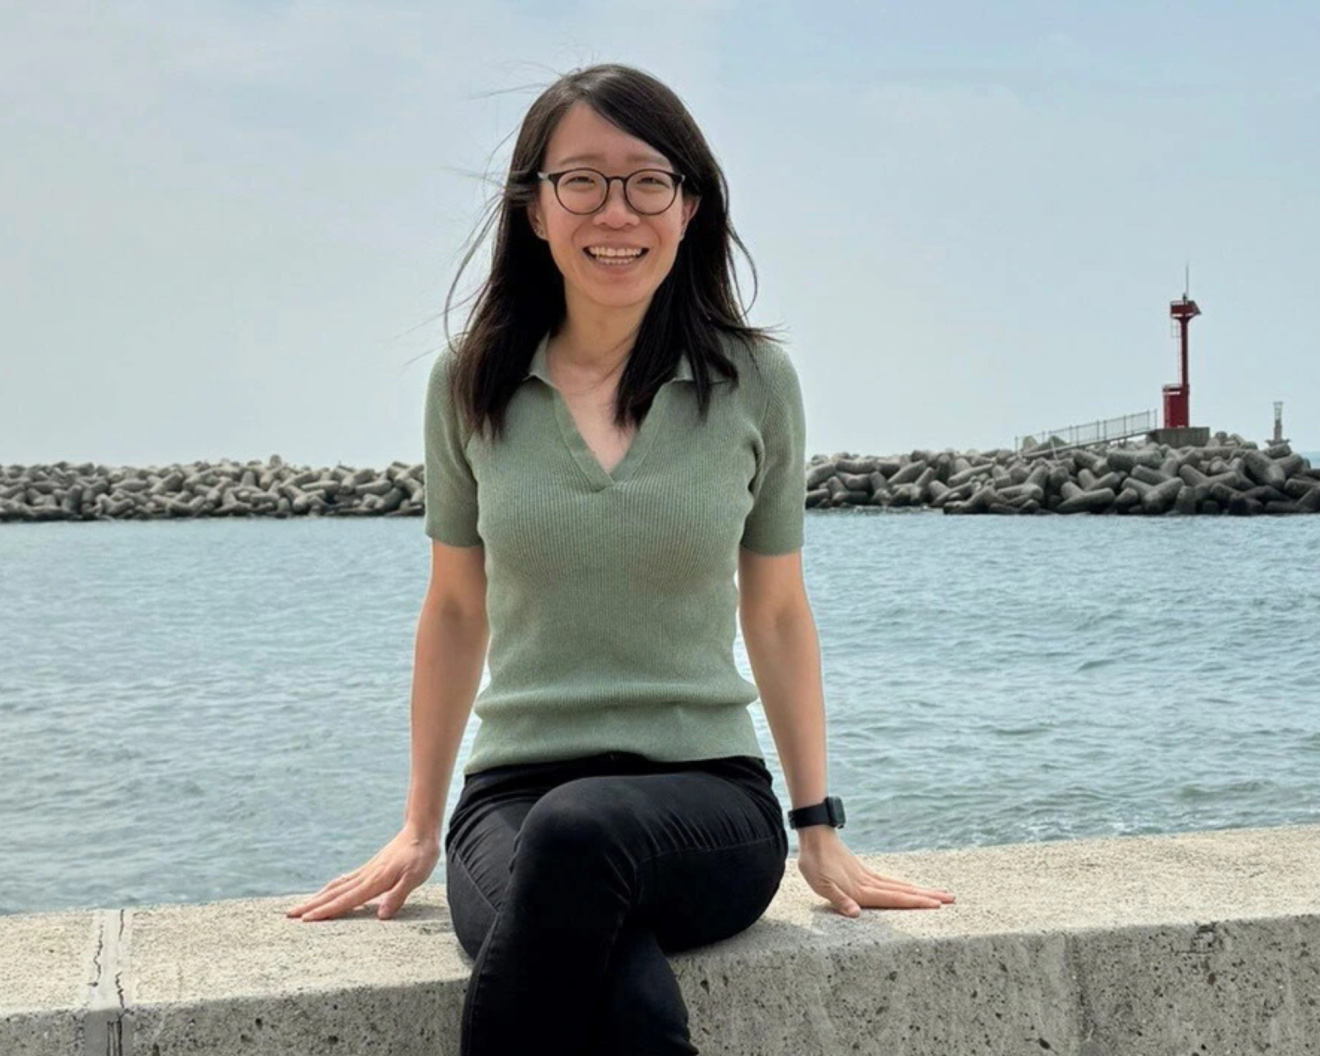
1177 398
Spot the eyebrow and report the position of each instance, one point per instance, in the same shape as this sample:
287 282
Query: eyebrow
656 158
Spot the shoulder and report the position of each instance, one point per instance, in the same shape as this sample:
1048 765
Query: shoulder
442 367
441 408
767 373
763 363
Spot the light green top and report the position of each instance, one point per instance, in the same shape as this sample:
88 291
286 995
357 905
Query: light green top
610 598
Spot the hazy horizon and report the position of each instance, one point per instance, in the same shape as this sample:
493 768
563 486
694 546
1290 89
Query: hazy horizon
231 228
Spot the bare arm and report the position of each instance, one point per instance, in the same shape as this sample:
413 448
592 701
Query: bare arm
450 653
448 659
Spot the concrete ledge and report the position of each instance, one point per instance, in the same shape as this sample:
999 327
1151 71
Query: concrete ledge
1196 943
1187 436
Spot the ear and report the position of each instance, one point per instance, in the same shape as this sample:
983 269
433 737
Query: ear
534 218
689 210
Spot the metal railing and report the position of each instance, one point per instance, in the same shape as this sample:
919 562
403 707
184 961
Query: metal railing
1102 431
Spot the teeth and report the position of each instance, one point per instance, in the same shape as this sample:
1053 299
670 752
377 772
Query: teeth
597 251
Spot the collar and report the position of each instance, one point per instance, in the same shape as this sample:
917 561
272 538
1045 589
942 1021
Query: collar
538 367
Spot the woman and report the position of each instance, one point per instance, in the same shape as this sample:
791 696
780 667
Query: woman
605 447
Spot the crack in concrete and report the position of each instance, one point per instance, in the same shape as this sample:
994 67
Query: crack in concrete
107 1030
123 945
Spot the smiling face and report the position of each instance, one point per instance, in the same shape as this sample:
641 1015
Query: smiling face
584 138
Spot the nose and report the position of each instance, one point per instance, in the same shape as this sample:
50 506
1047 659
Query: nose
616 205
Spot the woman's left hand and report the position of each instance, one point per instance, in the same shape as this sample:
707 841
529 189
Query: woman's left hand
836 873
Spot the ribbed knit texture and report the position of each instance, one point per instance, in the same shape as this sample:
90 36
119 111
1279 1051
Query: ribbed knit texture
611 598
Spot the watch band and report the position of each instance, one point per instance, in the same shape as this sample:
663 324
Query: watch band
827 812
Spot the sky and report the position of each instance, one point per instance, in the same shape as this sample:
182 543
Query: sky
229 228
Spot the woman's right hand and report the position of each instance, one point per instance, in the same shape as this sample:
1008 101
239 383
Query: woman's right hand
394 871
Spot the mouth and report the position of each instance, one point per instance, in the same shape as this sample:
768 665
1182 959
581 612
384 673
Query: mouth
616 263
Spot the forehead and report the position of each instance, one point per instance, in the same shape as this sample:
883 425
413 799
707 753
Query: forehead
584 137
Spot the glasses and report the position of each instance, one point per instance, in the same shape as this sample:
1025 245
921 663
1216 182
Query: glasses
584 191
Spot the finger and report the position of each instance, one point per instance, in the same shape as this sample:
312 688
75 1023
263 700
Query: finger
891 881
394 898
842 903
903 885
891 899
341 880
933 892
350 899
316 902
918 892
338 883
334 887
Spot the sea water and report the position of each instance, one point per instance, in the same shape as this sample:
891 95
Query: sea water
199 710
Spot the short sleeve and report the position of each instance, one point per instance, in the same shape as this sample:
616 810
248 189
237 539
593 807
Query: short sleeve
451 488
779 490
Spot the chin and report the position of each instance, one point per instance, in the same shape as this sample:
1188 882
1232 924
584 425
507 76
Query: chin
621 298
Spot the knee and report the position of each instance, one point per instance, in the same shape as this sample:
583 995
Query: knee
563 827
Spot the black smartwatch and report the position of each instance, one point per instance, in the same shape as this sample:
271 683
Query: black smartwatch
830 812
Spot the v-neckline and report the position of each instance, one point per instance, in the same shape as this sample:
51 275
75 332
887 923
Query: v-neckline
586 458
577 445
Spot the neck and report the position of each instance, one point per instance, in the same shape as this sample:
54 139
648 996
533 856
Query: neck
595 341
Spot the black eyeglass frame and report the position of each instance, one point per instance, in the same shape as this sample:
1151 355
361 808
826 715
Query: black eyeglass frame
554 178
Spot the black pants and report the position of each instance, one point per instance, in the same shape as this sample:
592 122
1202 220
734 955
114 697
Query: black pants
569 882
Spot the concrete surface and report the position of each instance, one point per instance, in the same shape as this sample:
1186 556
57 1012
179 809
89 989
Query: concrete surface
1194 944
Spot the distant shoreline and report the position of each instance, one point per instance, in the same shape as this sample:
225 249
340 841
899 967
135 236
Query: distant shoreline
87 492
1227 476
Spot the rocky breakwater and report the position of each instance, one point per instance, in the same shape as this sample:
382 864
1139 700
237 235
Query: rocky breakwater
1229 476
88 492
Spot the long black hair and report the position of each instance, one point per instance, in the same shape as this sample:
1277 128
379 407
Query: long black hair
523 297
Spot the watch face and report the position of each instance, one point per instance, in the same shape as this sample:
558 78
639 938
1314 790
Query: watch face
836 810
